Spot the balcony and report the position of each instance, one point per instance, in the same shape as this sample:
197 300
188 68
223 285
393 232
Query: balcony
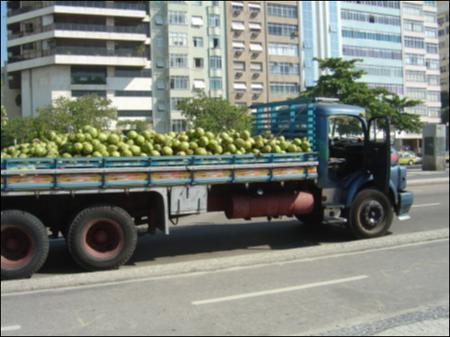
94 4
63 26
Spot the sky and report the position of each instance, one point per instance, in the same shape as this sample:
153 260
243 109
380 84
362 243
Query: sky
3 32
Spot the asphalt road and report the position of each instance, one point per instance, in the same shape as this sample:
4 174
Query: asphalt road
400 290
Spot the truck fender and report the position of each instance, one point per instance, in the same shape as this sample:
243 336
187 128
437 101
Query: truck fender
362 182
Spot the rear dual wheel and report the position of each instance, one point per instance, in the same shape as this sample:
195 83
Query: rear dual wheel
24 244
102 238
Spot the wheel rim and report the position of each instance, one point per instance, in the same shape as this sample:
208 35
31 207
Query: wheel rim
103 239
18 247
372 214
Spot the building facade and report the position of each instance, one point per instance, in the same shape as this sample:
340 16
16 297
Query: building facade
443 43
146 56
188 53
263 51
73 48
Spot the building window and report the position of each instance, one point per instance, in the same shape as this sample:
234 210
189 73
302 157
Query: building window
256 67
415 59
386 4
214 42
412 9
284 88
134 113
417 93
415 76
430 17
239 66
214 20
198 62
434 96
385 71
178 39
215 83
132 72
368 35
394 88
281 29
413 25
160 84
87 75
431 32
178 60
284 68
215 62
179 82
197 41
370 18
286 49
433 79
432 64
432 48
179 125
81 93
392 54
414 42
177 18
132 93
285 11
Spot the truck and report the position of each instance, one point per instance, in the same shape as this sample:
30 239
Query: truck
349 177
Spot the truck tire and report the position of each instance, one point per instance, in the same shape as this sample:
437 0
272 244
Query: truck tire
25 244
370 215
102 238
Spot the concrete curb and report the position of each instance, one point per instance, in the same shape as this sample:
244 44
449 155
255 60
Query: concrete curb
420 182
217 264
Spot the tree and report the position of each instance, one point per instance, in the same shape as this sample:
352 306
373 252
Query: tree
340 80
214 114
62 116
65 113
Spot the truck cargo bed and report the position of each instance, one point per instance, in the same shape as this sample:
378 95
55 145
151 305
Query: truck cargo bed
61 175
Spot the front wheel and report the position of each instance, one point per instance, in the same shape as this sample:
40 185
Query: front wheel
370 215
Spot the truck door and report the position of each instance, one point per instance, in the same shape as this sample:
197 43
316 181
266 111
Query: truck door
378 151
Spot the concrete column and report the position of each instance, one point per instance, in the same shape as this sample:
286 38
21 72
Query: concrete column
434 147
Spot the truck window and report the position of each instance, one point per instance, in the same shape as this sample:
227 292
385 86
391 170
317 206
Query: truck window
346 130
346 145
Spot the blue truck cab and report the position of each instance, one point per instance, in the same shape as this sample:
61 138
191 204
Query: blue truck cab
359 181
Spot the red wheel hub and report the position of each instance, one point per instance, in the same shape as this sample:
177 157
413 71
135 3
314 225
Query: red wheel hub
103 239
17 247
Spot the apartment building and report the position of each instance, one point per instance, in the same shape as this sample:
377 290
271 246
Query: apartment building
443 43
73 48
263 51
421 58
188 55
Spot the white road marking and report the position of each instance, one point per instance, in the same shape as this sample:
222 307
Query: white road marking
427 205
11 328
279 291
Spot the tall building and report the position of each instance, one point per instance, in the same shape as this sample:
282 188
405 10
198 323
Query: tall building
397 41
443 43
263 51
72 48
188 55
421 58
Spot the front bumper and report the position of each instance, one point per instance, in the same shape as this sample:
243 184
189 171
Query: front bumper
405 202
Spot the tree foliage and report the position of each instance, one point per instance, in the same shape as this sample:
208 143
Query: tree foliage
341 79
214 114
62 116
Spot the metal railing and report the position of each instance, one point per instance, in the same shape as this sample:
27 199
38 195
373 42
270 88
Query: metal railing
139 29
94 4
